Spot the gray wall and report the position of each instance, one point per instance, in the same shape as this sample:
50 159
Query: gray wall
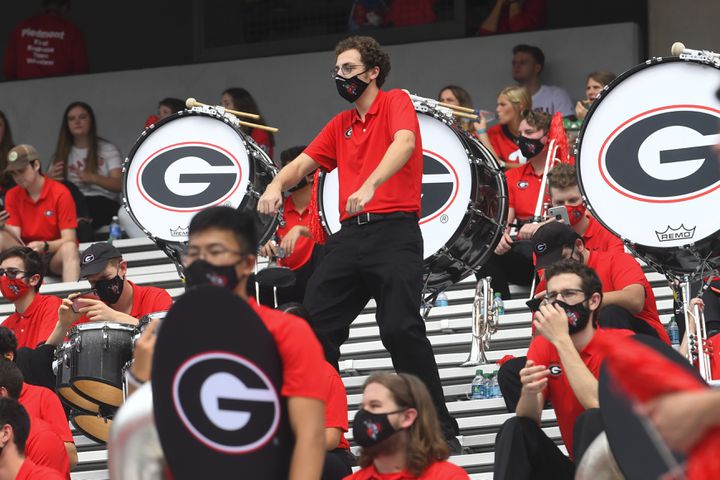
693 22
296 93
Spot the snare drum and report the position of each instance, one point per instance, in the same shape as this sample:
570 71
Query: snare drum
646 166
464 199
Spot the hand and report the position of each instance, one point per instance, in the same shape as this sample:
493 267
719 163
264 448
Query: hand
56 171
96 310
290 239
37 246
357 201
580 111
481 124
699 302
681 418
86 177
270 201
551 322
533 378
269 249
143 353
4 215
528 230
66 315
505 244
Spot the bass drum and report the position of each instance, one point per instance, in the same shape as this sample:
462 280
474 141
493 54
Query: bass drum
464 200
646 167
190 161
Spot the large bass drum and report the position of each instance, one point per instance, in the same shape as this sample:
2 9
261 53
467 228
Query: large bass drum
646 166
464 199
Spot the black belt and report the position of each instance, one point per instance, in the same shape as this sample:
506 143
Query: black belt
365 218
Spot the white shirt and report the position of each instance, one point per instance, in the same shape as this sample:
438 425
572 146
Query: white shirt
551 99
109 158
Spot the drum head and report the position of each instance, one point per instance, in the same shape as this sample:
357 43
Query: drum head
95 427
646 165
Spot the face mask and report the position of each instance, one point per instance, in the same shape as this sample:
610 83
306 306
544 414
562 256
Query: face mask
350 88
575 213
529 147
578 315
369 429
13 289
200 272
109 291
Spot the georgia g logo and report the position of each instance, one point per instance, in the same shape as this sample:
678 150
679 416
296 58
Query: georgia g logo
189 176
663 155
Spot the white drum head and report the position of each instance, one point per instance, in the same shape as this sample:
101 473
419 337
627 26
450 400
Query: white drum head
185 165
446 188
645 161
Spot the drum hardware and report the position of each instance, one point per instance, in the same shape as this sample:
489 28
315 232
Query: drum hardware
485 321
706 56
275 275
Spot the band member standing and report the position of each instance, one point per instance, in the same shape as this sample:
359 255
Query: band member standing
377 253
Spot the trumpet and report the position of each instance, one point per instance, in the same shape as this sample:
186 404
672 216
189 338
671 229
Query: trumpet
484 323
699 349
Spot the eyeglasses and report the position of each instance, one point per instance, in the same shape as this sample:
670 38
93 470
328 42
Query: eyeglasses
211 254
12 273
569 294
346 69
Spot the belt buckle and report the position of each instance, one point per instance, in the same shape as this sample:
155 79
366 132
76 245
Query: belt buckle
360 218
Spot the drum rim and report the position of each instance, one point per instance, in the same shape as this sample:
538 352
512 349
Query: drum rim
99 326
98 380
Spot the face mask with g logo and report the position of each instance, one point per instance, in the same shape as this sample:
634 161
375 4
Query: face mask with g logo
369 429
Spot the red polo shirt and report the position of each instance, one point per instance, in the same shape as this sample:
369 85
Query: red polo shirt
336 408
43 403
505 145
558 390
523 186
42 220
304 246
440 470
44 447
598 238
356 148
37 322
30 471
145 300
301 354
264 140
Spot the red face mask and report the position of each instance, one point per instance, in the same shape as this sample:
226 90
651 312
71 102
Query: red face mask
575 213
13 289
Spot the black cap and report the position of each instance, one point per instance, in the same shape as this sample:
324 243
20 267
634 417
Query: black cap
548 242
95 258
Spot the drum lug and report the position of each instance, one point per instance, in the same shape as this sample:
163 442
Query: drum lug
106 337
78 344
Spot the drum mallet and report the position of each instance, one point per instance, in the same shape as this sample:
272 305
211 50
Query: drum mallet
191 102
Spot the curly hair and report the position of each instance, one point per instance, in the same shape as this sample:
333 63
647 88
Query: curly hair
562 176
537 119
371 53
425 443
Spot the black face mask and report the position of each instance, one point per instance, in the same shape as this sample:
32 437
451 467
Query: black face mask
578 315
202 273
109 291
529 147
350 88
369 429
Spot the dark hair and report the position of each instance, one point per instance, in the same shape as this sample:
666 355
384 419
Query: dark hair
241 224
562 176
8 341
15 415
32 260
297 309
288 155
11 378
603 77
174 104
6 142
371 53
589 280
537 119
65 140
460 93
244 102
534 51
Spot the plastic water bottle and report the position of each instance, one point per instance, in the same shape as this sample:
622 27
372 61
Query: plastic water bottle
494 390
115 230
478 390
498 303
441 300
674 333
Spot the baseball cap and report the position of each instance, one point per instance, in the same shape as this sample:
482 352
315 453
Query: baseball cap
20 156
548 242
95 258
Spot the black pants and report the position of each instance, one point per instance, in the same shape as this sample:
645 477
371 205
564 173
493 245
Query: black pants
102 209
380 260
515 266
338 464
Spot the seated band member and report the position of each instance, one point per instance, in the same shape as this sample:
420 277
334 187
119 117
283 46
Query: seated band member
14 430
563 364
221 246
21 275
398 431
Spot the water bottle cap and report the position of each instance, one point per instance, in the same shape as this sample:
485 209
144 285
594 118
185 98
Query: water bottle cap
479 371
498 294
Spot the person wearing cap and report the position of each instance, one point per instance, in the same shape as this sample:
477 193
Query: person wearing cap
41 214
114 299
563 365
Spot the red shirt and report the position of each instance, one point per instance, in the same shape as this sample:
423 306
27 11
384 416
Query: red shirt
301 354
505 145
264 140
336 407
42 220
37 322
523 186
356 148
45 45
43 403
598 238
558 390
440 470
145 300
44 447
30 471
401 13
531 17
304 246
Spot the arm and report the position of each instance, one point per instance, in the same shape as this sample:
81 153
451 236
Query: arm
66 317
71 450
631 298
290 239
332 438
66 235
307 418
534 380
506 241
530 16
288 177
490 24
112 182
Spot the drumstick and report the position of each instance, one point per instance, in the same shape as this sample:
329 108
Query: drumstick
191 102
456 107
465 115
